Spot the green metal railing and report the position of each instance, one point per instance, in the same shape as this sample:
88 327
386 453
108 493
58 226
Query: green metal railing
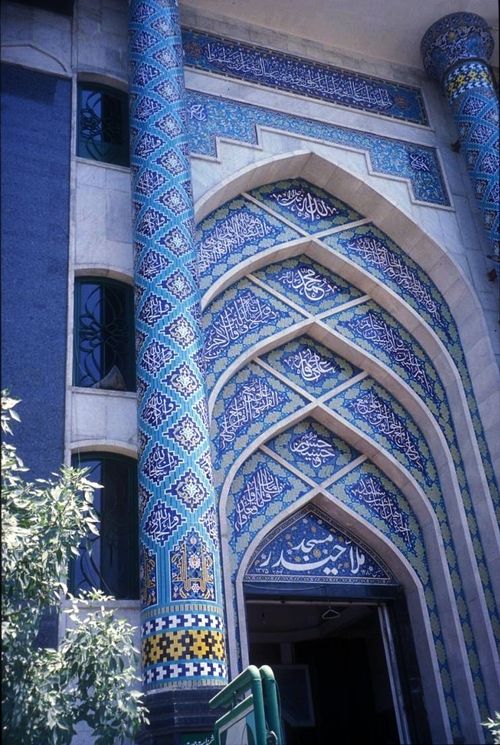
256 716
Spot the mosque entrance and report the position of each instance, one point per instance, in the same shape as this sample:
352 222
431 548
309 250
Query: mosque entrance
338 669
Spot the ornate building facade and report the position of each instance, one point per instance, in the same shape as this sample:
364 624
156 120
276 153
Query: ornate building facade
251 281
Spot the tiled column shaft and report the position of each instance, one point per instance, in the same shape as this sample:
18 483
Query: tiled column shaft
456 50
182 608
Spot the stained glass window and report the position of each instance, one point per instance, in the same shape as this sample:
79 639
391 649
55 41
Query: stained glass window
111 562
103 124
104 335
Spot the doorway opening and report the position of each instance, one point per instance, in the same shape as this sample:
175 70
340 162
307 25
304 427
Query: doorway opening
335 663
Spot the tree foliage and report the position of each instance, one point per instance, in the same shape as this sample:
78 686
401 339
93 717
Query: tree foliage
89 677
492 724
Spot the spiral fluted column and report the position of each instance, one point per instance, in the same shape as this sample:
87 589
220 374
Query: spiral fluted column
456 50
183 644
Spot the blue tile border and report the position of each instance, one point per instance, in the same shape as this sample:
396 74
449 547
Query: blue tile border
212 116
302 77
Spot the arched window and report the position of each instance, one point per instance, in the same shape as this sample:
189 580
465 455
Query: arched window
112 563
104 336
103 124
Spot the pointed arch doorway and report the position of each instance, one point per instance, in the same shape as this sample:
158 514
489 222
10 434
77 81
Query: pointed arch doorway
342 650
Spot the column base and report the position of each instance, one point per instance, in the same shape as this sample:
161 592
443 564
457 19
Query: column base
173 714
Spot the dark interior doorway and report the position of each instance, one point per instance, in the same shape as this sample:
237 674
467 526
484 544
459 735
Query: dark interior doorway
331 667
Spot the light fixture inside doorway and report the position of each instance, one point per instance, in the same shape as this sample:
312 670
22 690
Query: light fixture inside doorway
330 614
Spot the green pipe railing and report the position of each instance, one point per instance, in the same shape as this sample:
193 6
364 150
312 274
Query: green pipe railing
260 708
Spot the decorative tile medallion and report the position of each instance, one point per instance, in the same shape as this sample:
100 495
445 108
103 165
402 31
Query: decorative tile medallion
283 71
310 365
192 569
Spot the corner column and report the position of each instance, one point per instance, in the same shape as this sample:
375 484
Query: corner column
182 622
455 51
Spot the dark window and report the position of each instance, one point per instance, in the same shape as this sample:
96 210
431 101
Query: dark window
112 562
103 124
104 336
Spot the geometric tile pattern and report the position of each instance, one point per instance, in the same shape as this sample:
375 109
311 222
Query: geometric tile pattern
177 562
212 117
456 50
476 114
285 72
184 645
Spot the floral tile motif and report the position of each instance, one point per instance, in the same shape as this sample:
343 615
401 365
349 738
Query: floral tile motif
303 77
374 411
248 405
377 253
259 492
234 232
377 332
308 206
313 449
308 284
310 547
211 117
237 319
310 365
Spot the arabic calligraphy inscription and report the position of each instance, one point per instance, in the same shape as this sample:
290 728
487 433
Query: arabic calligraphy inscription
309 548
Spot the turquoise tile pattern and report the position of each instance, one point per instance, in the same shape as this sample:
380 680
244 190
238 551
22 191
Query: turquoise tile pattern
175 491
212 117
456 50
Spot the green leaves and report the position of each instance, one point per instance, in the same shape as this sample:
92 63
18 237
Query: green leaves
493 725
89 678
